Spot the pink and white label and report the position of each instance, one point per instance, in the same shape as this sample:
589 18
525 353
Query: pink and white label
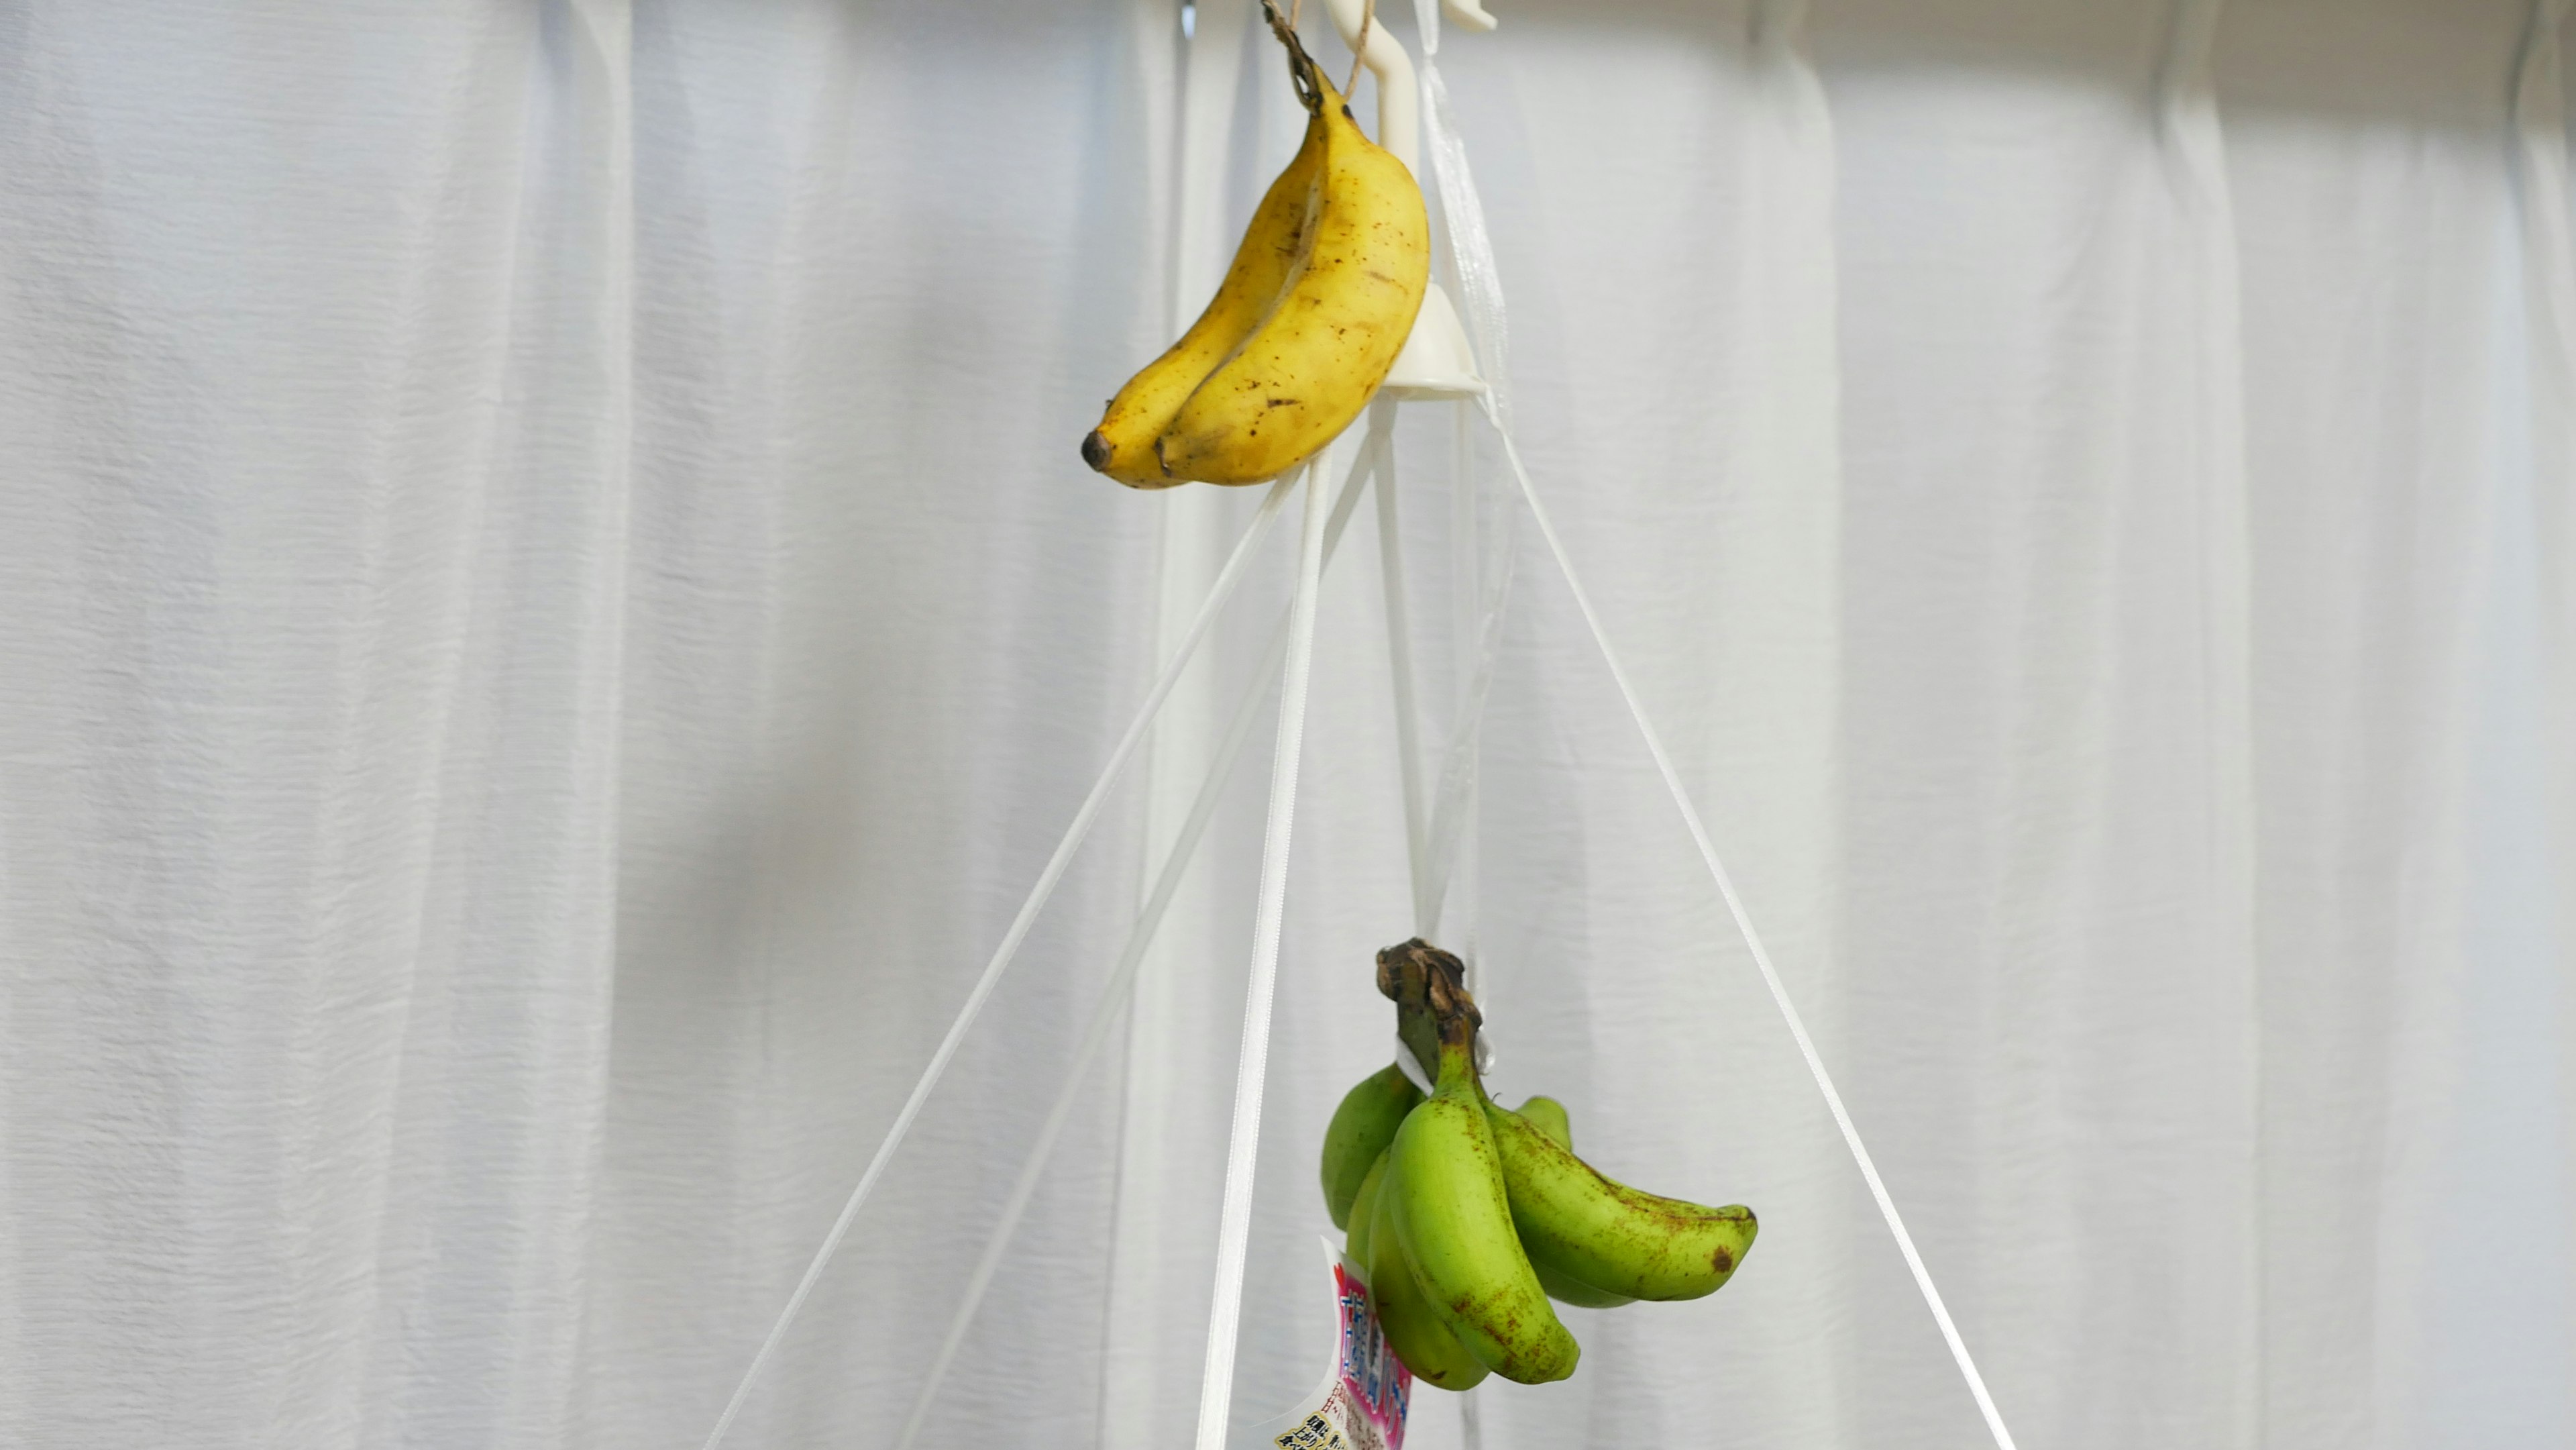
1362 1402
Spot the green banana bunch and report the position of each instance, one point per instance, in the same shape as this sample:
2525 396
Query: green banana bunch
1361 1129
1467 1218
1308 322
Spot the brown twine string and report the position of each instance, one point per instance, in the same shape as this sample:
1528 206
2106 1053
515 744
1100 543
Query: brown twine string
1302 70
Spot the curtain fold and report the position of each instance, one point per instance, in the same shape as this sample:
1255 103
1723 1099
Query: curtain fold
549 615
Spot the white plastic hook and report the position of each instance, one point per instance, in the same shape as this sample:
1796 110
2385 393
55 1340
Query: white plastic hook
1437 361
1469 14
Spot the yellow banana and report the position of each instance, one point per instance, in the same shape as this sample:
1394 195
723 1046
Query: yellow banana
1444 1201
1361 1128
1123 445
1415 1333
1316 359
1549 1117
1591 1232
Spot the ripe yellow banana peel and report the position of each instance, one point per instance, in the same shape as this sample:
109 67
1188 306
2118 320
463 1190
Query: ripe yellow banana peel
1123 445
1304 329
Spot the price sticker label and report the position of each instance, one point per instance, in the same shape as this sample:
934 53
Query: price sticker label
1366 1390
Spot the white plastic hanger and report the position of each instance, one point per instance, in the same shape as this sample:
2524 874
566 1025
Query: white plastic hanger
1436 361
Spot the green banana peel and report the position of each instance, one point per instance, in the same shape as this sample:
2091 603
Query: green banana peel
1362 1126
1445 1202
1417 1335
1549 1117
1592 1231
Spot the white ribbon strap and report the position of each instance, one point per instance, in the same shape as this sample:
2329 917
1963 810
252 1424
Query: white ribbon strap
1122 979
1378 453
1761 955
1471 254
1471 249
1218 594
1243 1147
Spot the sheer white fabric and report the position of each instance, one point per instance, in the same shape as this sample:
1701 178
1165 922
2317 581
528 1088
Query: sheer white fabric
548 614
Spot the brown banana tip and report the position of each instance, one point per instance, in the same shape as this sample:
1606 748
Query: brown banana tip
1095 451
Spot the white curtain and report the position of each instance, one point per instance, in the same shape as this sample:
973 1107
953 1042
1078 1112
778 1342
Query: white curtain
549 616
